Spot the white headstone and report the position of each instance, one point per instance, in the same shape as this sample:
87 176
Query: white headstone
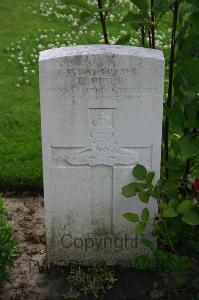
101 111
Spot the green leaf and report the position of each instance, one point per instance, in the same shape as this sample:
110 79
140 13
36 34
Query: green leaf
156 192
123 40
190 146
160 255
169 212
174 164
134 18
144 196
176 114
156 230
191 218
149 177
141 262
139 172
129 190
161 6
173 203
191 69
140 227
139 186
86 18
148 243
138 19
184 207
141 5
131 217
170 185
145 214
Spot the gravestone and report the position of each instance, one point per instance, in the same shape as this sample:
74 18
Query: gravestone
101 113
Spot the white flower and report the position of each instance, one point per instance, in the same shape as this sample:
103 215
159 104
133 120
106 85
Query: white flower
18 85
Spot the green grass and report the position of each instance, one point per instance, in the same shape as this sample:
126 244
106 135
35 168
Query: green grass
20 151
20 133
20 139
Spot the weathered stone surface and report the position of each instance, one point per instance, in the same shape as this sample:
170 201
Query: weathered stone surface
101 109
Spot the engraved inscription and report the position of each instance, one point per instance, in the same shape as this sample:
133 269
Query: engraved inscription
115 84
103 71
113 92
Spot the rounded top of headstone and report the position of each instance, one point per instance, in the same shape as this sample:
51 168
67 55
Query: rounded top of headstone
99 50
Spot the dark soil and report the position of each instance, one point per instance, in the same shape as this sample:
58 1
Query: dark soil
32 278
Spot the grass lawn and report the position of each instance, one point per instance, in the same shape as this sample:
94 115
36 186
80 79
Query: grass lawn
27 27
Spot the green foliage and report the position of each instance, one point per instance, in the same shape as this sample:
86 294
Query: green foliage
142 5
131 217
191 218
185 207
168 224
144 196
141 262
169 212
129 190
139 172
123 40
7 244
140 227
91 282
145 214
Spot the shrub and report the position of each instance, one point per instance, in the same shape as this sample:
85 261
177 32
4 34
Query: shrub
175 222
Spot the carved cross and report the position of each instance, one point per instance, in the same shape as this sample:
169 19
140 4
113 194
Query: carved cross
102 155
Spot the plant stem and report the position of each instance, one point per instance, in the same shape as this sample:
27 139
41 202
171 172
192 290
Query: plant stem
103 21
150 43
143 35
169 238
170 86
152 26
186 170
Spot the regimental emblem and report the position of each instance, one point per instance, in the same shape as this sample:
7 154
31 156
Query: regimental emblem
103 149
